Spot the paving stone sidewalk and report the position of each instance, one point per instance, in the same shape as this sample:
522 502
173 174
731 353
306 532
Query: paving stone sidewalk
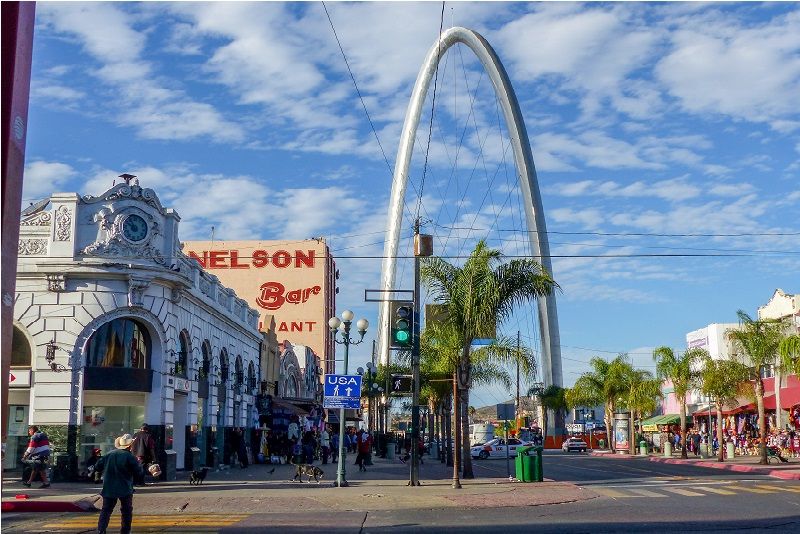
266 489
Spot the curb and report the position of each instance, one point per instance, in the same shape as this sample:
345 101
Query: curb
777 473
25 505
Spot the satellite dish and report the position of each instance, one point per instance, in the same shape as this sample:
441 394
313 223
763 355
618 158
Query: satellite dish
35 207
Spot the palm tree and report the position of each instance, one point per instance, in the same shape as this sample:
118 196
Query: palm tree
721 380
679 371
477 298
789 351
603 385
550 398
642 392
758 341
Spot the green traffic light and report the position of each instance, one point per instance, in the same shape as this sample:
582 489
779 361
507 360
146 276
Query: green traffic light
401 336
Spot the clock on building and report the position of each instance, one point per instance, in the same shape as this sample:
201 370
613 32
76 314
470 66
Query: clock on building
134 228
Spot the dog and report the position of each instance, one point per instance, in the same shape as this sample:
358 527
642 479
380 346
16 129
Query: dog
309 471
198 476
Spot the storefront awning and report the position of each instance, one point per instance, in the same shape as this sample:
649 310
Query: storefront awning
292 407
651 424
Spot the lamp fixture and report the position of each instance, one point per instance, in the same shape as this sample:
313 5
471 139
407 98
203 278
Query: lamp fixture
50 356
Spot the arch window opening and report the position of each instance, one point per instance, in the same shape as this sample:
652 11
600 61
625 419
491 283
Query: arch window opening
206 364
120 343
20 349
182 355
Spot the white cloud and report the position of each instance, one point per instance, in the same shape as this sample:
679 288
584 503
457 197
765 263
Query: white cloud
42 178
107 33
722 66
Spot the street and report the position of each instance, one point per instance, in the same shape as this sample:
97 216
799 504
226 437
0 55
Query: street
594 494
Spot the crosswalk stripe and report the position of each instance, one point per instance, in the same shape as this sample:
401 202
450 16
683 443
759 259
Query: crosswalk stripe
685 492
755 490
608 492
646 493
795 489
718 490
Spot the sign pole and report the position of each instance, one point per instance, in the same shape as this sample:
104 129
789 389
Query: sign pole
340 473
508 465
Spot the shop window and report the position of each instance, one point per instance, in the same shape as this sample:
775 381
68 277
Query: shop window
119 343
181 357
206 366
20 350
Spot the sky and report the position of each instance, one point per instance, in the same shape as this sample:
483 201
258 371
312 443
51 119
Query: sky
666 139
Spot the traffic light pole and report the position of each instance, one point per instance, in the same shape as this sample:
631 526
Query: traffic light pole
414 480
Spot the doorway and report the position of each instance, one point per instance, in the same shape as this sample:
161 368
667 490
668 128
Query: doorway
179 420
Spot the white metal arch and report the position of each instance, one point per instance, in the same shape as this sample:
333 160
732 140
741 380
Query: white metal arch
526 174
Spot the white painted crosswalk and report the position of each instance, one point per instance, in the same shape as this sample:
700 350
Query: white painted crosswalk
682 491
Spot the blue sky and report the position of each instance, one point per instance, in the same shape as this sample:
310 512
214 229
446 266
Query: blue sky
656 121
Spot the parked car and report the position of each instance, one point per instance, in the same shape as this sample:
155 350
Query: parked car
573 444
496 448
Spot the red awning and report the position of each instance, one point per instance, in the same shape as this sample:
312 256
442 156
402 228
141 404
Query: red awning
704 412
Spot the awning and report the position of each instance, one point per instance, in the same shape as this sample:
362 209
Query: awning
290 406
349 416
705 411
651 424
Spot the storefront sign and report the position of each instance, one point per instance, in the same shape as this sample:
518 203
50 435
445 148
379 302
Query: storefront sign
181 384
19 378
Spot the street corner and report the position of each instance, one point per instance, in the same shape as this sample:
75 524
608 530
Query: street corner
520 494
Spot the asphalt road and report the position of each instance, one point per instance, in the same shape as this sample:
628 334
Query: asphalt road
628 495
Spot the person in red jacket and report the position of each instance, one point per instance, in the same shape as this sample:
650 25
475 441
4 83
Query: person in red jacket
364 444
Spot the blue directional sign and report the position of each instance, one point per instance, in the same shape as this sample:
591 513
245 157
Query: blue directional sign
342 391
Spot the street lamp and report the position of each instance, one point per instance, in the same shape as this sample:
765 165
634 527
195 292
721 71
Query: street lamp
50 356
343 327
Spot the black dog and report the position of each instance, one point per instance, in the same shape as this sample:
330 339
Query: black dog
197 477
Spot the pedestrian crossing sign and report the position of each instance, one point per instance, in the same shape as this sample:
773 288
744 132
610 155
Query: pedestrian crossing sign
342 391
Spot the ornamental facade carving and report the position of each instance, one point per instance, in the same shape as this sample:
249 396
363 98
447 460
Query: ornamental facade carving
42 218
32 247
63 224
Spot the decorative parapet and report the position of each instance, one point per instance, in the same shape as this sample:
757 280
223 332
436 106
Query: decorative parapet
32 247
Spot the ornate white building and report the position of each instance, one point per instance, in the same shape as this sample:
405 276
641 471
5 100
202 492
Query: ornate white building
135 331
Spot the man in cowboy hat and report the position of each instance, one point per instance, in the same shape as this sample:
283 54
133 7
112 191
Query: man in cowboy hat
119 467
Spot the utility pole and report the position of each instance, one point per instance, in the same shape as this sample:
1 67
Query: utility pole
423 247
519 408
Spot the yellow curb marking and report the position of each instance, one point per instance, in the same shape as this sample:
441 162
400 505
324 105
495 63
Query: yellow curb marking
646 493
755 490
718 490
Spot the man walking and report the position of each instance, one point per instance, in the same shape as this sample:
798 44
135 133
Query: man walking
37 454
325 444
144 449
119 468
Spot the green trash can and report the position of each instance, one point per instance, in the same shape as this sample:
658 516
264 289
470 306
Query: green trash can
519 467
529 464
602 443
643 448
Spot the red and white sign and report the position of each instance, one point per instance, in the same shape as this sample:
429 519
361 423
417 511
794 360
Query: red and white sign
19 378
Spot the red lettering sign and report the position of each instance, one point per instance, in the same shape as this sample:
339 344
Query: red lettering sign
218 259
273 295
299 326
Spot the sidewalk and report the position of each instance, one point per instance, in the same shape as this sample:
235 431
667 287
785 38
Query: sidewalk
261 489
742 464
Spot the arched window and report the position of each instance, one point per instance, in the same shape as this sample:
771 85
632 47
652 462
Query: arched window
182 356
239 371
251 377
292 387
119 343
206 365
223 366
20 349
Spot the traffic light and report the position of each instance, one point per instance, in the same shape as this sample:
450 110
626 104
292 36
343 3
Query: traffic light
402 326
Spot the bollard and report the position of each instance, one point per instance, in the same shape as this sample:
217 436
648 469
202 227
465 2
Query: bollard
667 449
730 449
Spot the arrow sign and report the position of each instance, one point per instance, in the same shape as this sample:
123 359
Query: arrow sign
342 391
11 377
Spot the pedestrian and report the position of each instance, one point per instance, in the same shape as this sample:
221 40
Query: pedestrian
696 443
335 447
325 443
144 449
37 455
309 445
420 449
120 467
364 444
241 449
92 474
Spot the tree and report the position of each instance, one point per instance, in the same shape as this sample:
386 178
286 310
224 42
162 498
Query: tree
679 371
477 298
550 398
789 351
604 385
758 341
641 392
721 380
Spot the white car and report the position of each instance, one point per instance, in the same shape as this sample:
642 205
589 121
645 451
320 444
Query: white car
573 444
496 448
